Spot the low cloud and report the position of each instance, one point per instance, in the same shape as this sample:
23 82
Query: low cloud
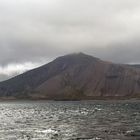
15 69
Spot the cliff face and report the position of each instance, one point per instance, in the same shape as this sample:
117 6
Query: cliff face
74 77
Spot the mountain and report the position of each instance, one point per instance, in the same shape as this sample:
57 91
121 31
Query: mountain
75 77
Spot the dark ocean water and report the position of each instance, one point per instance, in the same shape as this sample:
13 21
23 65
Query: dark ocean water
78 120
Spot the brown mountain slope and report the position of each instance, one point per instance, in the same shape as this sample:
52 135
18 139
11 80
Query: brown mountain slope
74 77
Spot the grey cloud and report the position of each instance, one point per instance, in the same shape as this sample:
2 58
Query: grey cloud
40 30
121 52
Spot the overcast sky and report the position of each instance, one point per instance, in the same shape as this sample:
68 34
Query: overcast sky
33 32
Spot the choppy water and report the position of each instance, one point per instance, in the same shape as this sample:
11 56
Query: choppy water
81 120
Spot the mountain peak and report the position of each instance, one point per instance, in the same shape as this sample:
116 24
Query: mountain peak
79 54
77 58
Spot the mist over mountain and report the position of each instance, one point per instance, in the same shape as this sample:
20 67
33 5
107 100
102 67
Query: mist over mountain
75 77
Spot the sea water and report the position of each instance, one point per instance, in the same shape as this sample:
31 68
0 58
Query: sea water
70 120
